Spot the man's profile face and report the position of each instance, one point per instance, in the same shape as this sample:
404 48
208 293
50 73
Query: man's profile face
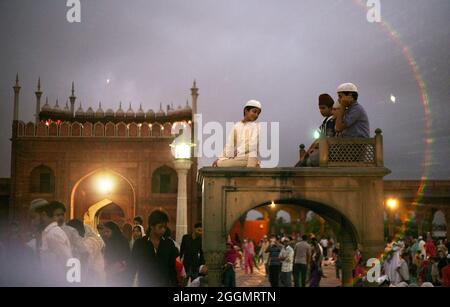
60 216
324 110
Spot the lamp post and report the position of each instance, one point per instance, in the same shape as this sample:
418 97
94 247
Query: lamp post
181 151
392 204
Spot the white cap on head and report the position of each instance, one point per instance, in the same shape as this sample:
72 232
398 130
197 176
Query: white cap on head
253 103
38 203
347 87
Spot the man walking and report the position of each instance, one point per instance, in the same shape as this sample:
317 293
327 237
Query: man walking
302 254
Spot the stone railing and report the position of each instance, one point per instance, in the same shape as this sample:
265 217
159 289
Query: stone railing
358 152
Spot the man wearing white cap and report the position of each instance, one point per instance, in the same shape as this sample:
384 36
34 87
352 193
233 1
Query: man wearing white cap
241 149
351 119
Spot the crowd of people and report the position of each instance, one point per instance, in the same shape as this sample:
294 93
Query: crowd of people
132 256
299 261
413 262
286 261
107 256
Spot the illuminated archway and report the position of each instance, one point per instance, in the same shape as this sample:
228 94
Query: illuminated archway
103 200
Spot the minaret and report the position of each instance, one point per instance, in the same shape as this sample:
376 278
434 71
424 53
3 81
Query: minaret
194 93
38 101
72 100
16 88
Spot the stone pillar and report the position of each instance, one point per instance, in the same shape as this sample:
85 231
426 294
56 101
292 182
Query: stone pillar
215 234
379 160
182 167
347 255
214 261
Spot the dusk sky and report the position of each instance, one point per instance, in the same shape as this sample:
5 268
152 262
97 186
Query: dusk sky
284 53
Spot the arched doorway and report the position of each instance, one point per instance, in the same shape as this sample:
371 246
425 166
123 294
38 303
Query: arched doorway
103 195
103 211
345 231
349 199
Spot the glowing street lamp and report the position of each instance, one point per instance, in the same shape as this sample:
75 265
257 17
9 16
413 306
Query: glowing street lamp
181 148
181 151
392 203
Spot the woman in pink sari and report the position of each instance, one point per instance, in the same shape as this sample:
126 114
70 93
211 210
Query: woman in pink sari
249 251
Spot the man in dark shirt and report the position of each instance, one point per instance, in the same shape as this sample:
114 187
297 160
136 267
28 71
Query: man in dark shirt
327 129
153 257
191 252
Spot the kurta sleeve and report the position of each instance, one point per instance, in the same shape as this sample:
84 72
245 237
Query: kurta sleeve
229 151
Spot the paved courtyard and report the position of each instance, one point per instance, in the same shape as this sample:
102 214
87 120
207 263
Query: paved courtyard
258 278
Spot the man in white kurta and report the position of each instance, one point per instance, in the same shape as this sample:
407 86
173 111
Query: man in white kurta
241 149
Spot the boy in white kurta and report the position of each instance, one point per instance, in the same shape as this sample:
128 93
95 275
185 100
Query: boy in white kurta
241 149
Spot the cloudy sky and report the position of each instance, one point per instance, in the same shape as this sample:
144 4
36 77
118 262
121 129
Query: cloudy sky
281 52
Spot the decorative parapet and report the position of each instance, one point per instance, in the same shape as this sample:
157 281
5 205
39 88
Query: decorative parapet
348 152
94 129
